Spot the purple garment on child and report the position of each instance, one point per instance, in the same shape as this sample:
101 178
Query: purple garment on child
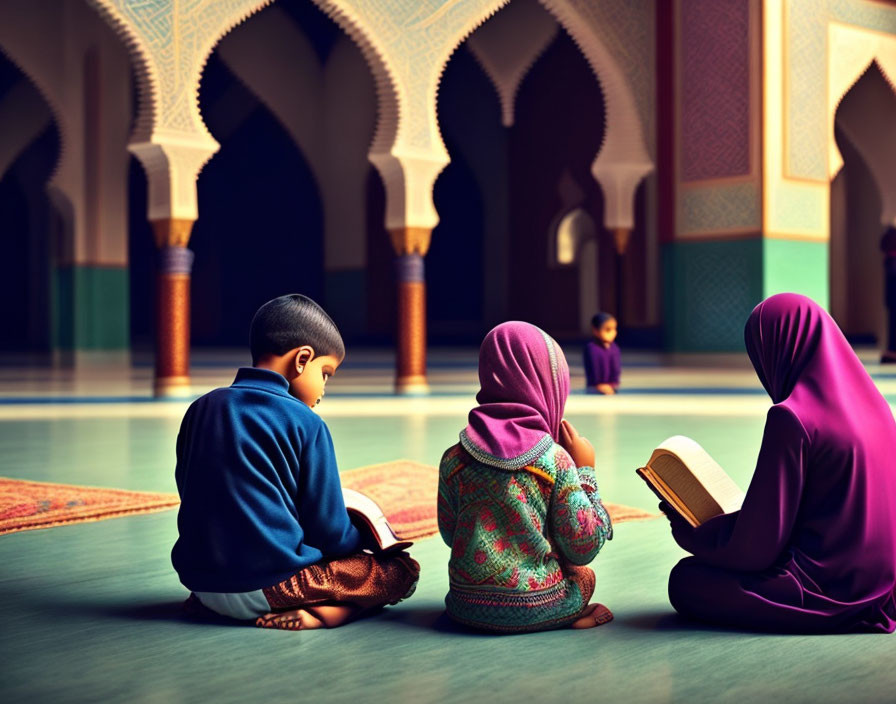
524 384
813 547
603 365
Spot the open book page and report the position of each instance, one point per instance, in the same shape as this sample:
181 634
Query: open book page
367 515
664 493
695 479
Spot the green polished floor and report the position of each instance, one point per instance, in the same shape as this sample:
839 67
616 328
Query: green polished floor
90 612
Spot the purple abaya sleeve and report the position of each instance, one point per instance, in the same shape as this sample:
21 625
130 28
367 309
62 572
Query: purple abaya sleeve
752 538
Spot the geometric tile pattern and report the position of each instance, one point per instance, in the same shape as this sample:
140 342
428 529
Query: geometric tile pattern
716 285
796 207
806 104
715 89
718 208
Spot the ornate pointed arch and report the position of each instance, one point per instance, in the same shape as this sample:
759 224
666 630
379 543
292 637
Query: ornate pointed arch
27 131
623 159
407 48
506 59
389 103
851 51
145 75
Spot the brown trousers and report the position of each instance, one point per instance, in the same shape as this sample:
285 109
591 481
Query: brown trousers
364 580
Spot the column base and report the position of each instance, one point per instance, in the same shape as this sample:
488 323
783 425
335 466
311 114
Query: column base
415 385
172 387
888 357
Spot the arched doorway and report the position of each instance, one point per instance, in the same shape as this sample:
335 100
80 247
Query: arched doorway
862 205
29 151
470 196
509 185
259 234
551 149
282 204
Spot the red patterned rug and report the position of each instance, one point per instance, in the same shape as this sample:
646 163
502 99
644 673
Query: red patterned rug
406 491
29 505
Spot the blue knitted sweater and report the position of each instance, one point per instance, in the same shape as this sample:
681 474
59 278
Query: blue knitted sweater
260 491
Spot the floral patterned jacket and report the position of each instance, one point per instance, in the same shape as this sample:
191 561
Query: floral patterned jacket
514 529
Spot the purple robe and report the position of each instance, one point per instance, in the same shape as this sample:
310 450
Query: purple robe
813 548
603 365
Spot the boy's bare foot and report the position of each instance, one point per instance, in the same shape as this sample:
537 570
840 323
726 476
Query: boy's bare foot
593 616
309 618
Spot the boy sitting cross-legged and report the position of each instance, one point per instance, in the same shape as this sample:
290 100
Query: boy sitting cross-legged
263 529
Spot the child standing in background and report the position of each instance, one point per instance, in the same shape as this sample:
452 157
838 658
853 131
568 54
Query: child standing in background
518 501
263 529
603 364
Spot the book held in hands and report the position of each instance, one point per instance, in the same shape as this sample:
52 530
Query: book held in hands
682 474
369 518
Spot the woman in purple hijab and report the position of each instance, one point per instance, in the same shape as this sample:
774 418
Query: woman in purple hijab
518 501
813 548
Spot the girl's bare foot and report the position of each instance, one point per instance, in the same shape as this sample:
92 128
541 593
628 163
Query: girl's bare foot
593 616
309 618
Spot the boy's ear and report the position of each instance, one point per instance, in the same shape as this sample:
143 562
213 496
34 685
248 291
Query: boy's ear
304 354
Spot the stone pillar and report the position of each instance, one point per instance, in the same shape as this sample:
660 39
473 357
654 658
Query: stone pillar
621 236
175 263
411 245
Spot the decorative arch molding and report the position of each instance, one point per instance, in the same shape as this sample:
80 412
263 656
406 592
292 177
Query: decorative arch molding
866 116
43 86
851 51
506 60
273 34
170 138
407 49
623 160
389 99
146 77
32 113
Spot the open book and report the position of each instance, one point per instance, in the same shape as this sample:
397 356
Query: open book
683 475
369 518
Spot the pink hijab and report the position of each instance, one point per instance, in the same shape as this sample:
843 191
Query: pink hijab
524 382
801 356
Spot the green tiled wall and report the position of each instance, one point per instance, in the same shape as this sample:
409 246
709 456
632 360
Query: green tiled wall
711 287
91 307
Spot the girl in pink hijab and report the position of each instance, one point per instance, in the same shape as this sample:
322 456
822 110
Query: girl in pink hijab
813 549
518 501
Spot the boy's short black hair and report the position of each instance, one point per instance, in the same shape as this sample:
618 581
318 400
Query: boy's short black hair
291 321
600 318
